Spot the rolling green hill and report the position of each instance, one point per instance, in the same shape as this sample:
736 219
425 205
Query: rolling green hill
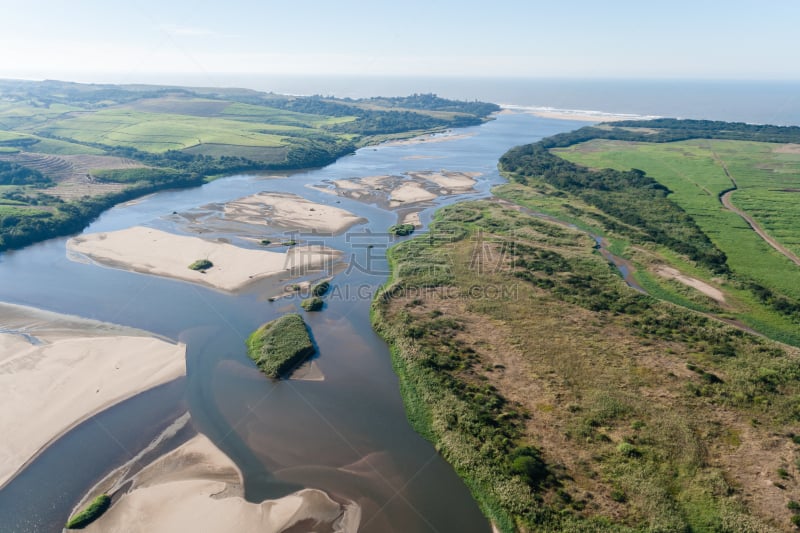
96 145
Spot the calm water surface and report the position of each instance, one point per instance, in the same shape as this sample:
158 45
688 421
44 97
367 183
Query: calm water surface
347 435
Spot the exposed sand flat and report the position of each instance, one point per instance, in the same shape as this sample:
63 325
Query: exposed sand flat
671 273
455 181
56 371
291 212
412 218
197 488
573 114
156 252
410 192
431 138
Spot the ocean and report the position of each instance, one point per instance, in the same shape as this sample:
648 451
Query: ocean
757 102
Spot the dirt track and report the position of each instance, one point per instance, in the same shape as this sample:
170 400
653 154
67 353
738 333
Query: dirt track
725 199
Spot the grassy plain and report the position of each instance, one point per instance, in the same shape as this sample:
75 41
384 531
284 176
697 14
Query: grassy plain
570 402
693 171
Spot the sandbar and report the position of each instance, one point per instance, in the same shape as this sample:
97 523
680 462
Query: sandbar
57 371
156 252
291 212
410 192
430 138
198 488
454 181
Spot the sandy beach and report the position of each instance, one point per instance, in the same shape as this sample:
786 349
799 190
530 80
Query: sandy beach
198 488
56 371
290 212
572 114
156 252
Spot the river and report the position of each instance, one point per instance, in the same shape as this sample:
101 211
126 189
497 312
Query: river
347 435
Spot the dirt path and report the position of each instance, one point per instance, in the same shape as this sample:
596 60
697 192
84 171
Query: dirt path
725 199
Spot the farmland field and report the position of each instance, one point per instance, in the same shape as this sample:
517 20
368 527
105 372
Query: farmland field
766 174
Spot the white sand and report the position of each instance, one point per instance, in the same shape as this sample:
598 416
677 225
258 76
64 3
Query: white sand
455 181
290 211
430 138
412 218
410 192
197 488
156 252
705 288
47 389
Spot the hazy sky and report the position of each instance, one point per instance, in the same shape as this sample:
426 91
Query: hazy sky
522 38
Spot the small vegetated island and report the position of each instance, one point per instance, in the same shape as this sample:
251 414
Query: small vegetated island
567 400
69 151
281 345
92 512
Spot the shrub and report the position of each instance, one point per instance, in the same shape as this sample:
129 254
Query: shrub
320 289
202 265
95 509
401 230
312 304
628 450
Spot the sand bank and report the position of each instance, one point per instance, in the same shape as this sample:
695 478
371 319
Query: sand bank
290 212
409 193
400 191
56 371
449 182
156 252
430 138
671 273
197 488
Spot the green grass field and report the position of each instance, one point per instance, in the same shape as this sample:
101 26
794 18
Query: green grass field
159 132
694 171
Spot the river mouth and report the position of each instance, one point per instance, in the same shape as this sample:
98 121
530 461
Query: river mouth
347 434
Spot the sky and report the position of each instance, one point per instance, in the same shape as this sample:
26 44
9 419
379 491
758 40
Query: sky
100 40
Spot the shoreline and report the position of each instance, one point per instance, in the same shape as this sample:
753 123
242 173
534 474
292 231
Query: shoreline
578 115
70 370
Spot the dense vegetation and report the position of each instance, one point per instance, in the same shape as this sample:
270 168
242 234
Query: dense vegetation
14 174
401 230
180 137
321 288
312 304
279 346
568 401
95 509
631 197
